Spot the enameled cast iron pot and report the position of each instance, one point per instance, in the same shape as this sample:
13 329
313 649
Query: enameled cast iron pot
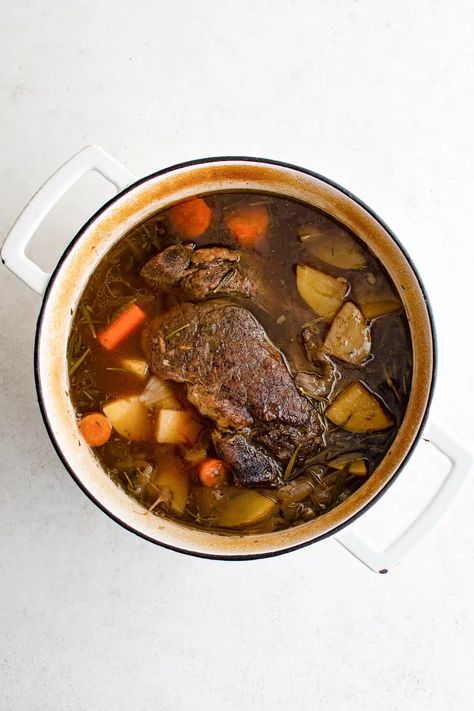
135 202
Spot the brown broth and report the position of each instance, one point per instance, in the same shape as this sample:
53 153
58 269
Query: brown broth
99 379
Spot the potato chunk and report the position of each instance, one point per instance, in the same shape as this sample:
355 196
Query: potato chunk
322 292
349 335
375 297
246 508
357 410
136 366
206 500
177 427
128 415
355 464
358 467
169 482
374 309
336 248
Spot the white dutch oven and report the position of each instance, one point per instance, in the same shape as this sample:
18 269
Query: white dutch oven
135 202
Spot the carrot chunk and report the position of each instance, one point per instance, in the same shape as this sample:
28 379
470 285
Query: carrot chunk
212 472
121 327
248 224
190 218
95 428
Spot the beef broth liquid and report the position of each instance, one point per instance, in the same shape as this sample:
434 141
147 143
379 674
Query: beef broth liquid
296 235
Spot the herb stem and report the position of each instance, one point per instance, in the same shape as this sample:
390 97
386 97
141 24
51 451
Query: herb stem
79 361
291 462
312 322
176 330
225 280
88 320
337 488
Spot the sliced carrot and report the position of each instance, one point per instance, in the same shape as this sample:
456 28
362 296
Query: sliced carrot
122 327
248 224
212 472
190 218
95 428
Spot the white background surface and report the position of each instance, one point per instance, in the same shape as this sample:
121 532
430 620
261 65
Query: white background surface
377 96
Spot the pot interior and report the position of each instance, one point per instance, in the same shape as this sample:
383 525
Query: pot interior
117 218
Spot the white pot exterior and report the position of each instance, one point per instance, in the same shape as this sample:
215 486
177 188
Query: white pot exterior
103 231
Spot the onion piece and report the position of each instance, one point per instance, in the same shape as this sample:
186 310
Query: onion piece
159 393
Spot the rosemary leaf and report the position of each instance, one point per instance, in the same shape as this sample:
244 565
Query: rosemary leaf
78 362
225 280
291 462
88 320
176 330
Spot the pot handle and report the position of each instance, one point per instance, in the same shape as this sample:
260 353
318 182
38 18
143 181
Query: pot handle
13 250
380 561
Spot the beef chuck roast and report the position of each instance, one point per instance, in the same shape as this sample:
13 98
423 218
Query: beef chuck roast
239 379
197 273
252 466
